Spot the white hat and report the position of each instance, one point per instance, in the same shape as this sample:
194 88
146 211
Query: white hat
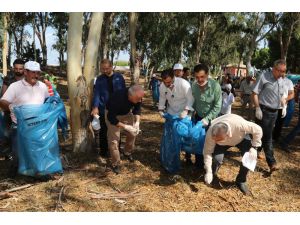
32 66
228 87
154 75
178 66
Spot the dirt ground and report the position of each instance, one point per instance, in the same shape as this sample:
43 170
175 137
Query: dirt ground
143 185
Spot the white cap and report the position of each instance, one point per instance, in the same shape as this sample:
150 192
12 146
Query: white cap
32 66
178 66
228 87
154 75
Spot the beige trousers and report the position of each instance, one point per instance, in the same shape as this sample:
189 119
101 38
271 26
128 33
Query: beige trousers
113 138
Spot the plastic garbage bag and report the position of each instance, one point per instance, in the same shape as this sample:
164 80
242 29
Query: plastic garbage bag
192 136
170 146
180 134
38 147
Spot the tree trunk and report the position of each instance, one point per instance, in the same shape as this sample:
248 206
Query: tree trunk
90 59
134 61
33 38
40 30
77 86
5 47
203 22
9 49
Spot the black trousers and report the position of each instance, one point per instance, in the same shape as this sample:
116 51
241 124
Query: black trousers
218 157
101 137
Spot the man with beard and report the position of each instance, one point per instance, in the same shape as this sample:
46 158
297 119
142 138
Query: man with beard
26 91
18 73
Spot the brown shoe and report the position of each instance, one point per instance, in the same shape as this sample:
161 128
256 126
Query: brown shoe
274 167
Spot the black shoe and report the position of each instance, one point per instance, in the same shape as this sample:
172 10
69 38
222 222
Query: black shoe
243 188
13 171
116 169
129 158
188 161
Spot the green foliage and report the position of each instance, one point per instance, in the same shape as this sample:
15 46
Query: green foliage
262 58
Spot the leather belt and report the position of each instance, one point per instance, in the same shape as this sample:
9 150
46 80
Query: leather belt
268 109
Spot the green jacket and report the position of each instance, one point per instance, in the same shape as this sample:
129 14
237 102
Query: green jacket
207 103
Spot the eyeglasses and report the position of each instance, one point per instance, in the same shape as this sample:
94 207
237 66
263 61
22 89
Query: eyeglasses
281 71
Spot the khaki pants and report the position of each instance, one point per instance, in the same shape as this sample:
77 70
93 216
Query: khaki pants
113 138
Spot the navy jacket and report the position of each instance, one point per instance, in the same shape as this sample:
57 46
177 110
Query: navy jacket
101 90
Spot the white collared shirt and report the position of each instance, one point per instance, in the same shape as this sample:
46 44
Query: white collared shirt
22 93
179 98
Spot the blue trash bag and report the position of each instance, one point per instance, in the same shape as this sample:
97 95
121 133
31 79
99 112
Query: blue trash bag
38 146
62 118
170 146
192 136
289 112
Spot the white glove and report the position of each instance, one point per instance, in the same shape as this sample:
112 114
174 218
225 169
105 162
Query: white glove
283 101
131 130
208 178
283 112
258 113
183 114
204 122
12 115
161 113
253 153
137 126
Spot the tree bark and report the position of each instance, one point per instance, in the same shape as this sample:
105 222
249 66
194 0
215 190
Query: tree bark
77 86
90 59
40 30
5 47
203 21
134 61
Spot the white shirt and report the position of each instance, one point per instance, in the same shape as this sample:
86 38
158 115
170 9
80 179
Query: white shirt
22 93
179 98
227 100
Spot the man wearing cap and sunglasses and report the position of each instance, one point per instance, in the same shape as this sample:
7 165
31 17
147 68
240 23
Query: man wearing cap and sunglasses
27 91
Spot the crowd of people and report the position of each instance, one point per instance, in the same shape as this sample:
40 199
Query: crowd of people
176 92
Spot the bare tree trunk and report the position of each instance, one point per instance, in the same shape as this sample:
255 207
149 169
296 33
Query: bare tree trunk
40 30
134 61
77 86
203 21
33 38
9 49
92 51
5 47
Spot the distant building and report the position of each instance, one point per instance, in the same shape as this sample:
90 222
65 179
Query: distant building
233 69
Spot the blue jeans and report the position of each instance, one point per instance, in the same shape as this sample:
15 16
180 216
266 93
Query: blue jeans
289 112
218 157
267 124
290 137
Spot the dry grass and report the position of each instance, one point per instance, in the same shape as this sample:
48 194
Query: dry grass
144 186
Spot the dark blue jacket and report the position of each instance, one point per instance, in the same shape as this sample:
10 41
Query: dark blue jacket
101 92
